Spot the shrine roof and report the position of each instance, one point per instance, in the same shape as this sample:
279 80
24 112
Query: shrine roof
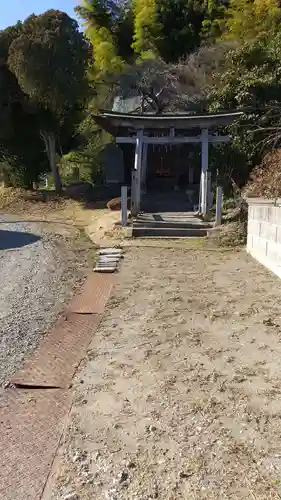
117 123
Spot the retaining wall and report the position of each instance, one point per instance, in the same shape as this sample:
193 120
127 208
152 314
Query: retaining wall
264 232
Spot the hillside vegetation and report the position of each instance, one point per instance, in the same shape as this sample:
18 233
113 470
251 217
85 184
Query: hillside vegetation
180 55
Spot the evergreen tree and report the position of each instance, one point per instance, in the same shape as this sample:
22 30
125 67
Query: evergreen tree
49 59
215 12
252 19
173 29
181 24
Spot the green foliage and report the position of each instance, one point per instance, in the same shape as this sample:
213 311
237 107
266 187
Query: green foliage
73 168
11 102
100 20
231 163
250 80
250 20
87 158
106 59
22 154
146 28
49 59
172 29
7 37
215 14
181 24
167 52
123 31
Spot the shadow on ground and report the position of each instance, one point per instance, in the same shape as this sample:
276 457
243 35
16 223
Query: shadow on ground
16 239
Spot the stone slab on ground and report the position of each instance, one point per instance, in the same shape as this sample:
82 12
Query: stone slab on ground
110 251
105 269
109 260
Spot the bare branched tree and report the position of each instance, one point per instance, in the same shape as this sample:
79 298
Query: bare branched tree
162 87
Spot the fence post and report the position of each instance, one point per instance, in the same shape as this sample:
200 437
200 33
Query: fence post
124 205
218 206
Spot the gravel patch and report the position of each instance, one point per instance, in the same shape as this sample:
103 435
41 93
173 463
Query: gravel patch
39 273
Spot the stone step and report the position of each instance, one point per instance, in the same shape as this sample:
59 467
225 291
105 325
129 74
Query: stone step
170 224
171 232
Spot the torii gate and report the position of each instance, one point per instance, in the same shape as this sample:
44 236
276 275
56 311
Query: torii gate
138 129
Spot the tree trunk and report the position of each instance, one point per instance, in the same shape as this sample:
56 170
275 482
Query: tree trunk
50 143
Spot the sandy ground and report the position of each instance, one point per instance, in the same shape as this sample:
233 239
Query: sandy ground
179 397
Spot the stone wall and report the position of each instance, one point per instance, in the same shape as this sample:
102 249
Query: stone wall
264 232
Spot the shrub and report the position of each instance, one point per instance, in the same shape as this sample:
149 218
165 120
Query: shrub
265 180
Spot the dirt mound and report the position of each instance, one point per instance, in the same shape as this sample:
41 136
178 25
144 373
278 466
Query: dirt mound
115 204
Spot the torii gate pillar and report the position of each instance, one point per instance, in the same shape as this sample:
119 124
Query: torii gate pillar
204 171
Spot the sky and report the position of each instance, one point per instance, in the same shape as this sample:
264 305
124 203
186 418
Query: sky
12 11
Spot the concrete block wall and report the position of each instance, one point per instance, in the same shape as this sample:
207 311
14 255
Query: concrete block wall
264 232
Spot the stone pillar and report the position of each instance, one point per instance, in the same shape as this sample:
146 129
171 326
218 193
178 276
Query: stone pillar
133 194
144 168
136 176
124 203
204 170
209 193
219 206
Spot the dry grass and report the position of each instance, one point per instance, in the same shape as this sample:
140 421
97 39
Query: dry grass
265 178
19 200
64 214
46 206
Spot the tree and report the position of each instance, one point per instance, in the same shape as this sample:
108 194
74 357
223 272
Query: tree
163 87
250 20
11 101
49 59
146 28
22 155
7 37
86 157
181 24
11 95
100 18
215 14
250 81
173 29
21 151
123 31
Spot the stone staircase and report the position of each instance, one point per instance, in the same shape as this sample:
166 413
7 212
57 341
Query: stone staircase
169 225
